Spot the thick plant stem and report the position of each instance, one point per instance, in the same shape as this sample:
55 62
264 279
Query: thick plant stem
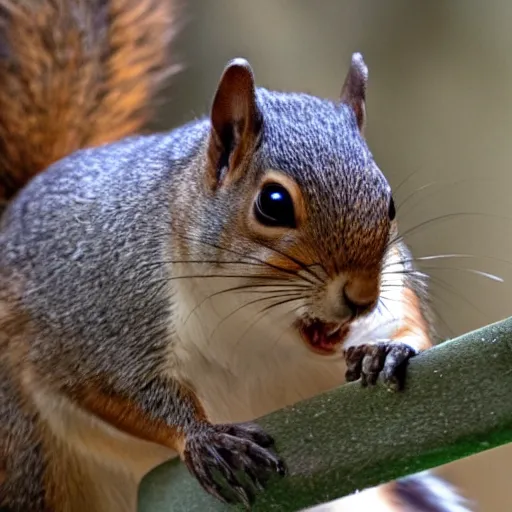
457 402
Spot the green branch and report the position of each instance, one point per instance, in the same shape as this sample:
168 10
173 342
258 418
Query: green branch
458 402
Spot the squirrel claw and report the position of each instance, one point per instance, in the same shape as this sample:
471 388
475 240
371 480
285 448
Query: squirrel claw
385 359
229 450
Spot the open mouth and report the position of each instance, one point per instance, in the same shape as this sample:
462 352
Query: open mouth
323 338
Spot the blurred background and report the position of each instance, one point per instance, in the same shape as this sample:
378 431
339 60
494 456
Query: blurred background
439 124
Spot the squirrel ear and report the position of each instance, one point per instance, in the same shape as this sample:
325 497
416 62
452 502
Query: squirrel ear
354 89
236 123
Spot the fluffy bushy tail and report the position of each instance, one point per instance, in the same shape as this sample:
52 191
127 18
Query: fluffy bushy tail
75 74
426 492
423 492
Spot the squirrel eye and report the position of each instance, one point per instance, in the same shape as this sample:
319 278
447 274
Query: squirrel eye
274 207
392 210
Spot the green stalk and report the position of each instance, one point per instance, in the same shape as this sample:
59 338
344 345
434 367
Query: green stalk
457 402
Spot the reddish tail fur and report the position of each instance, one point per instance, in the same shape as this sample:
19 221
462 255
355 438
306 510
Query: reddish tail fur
73 74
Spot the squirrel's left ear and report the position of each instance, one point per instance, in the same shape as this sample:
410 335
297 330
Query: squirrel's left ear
354 89
235 124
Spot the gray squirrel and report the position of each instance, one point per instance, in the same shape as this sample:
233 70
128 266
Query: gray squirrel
159 292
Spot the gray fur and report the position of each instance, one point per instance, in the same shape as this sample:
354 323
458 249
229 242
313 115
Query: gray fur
318 143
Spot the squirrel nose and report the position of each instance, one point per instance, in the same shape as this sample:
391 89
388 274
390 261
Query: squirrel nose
360 295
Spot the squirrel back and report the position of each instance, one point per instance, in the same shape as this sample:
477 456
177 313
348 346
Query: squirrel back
76 74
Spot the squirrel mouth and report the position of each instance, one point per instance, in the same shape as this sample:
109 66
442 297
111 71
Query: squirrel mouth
323 338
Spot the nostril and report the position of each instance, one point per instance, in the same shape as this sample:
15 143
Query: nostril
356 308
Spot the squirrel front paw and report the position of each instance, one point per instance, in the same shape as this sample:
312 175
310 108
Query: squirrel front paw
385 359
232 451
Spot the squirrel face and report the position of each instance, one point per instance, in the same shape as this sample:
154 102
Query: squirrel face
313 210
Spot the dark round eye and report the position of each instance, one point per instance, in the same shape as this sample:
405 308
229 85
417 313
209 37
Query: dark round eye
392 211
274 207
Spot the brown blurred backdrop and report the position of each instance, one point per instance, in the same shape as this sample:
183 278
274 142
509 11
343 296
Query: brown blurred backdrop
439 115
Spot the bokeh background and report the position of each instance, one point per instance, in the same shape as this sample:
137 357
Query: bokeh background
439 124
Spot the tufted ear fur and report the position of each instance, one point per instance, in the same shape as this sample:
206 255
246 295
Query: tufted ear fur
235 124
354 89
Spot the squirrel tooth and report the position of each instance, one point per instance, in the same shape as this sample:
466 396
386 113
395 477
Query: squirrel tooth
334 330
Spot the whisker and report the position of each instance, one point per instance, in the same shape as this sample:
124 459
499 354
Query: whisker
302 265
280 303
436 281
259 299
250 257
209 262
280 287
477 272
221 276
292 311
415 193
450 288
246 288
391 286
407 272
446 286
405 180
438 316
434 310
431 294
444 217
383 304
431 184
438 296
480 273
460 255
391 299
445 256
261 314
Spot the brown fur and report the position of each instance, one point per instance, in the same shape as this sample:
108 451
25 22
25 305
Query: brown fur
30 450
63 466
127 416
74 75
20 432
415 325
236 122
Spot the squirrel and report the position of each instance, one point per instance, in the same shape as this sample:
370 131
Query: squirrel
159 292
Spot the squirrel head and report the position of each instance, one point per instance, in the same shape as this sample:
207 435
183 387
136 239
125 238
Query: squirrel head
300 196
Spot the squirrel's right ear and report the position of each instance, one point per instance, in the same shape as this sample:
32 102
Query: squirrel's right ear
235 124
354 89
